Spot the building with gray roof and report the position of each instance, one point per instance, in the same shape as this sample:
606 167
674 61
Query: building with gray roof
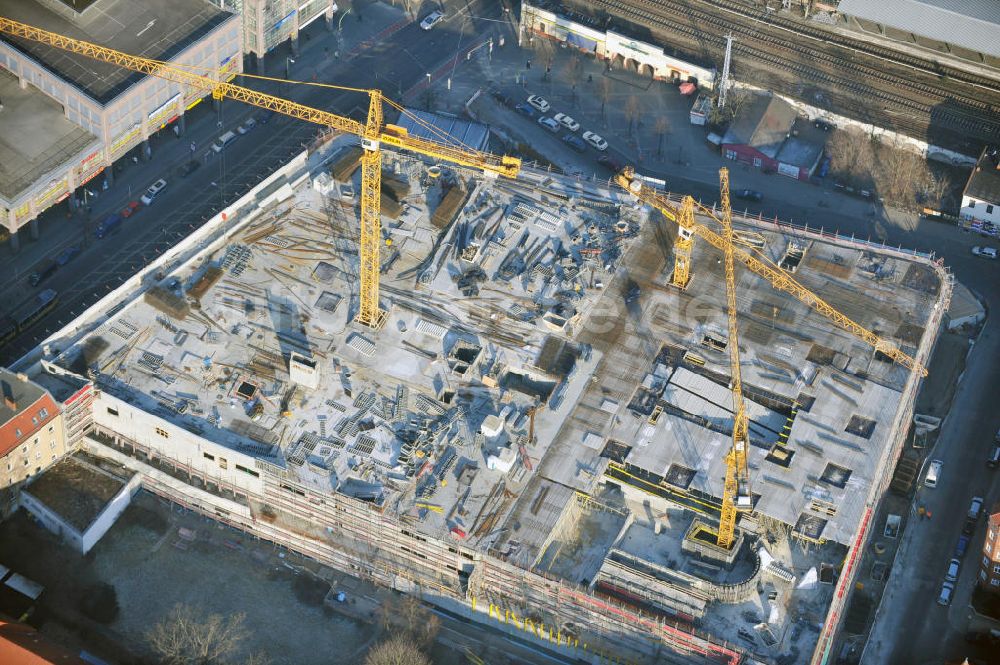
964 28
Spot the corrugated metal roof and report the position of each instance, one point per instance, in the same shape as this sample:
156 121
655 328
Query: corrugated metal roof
473 135
984 183
972 24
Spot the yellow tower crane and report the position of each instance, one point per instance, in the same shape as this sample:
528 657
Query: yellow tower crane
373 133
736 490
761 265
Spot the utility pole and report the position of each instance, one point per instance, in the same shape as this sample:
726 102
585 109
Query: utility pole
724 83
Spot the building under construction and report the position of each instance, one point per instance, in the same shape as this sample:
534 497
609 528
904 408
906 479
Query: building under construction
537 436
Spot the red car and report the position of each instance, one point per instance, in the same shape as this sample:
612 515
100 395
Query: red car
130 209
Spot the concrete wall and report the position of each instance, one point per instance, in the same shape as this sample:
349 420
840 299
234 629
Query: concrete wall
53 522
107 517
121 124
177 444
977 209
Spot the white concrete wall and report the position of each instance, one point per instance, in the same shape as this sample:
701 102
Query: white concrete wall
177 444
985 211
107 517
52 521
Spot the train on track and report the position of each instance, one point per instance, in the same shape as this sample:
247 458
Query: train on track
26 315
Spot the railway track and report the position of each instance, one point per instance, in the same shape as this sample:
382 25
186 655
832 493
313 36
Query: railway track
803 29
913 105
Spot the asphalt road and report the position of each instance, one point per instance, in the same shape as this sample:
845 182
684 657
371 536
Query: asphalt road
393 64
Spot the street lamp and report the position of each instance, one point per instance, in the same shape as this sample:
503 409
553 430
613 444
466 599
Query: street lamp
289 61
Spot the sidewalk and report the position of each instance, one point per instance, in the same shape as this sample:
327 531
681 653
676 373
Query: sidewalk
579 85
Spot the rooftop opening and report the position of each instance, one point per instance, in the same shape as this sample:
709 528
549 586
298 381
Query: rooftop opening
860 426
836 475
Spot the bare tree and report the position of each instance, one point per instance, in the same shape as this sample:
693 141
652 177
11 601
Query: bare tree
397 651
573 71
852 156
188 637
662 126
631 112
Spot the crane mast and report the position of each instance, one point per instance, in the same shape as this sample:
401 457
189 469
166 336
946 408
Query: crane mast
736 490
373 133
764 267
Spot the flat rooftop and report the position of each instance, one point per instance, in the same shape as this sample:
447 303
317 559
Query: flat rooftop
76 490
35 136
158 30
387 403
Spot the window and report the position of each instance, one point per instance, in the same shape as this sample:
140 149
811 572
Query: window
972 204
995 581
38 455
223 464
112 411
247 471
34 420
996 568
989 210
51 428
986 561
162 432
757 162
209 456
17 433
730 154
43 414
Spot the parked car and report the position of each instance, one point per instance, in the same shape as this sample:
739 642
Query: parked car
549 124
43 271
595 141
189 168
961 545
264 117
153 191
108 225
952 573
823 124
247 125
975 507
575 142
749 195
526 110
933 473
610 163
432 19
67 255
130 209
566 121
944 598
994 459
220 143
539 103
502 98
985 252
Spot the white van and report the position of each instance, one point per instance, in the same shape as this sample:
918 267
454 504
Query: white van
153 191
933 473
224 140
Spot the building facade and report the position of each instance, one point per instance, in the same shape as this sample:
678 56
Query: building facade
32 435
267 23
120 110
981 196
617 49
989 566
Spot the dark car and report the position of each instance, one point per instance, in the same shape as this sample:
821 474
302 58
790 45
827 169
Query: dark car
265 117
189 168
575 142
749 195
43 272
502 98
526 109
822 124
960 547
610 163
67 255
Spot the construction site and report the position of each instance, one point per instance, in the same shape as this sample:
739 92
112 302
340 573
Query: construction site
630 427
